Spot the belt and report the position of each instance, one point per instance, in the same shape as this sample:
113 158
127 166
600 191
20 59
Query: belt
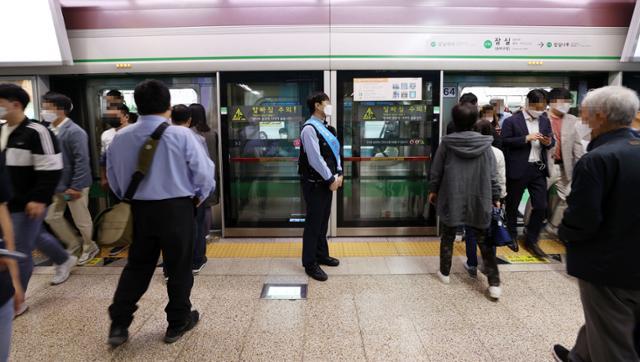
538 164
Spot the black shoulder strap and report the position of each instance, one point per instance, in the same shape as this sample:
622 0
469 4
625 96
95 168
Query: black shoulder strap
145 157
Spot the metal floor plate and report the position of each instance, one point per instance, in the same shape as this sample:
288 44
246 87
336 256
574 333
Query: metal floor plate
284 291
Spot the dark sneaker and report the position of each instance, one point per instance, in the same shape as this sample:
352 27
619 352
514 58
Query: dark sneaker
117 250
118 335
197 268
174 334
329 261
316 273
560 353
535 250
514 246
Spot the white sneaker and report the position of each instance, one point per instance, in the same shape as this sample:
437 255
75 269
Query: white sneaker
23 309
88 255
495 292
443 278
64 270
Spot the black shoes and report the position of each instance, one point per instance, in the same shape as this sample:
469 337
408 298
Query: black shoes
315 272
560 353
118 335
174 334
535 250
329 261
197 268
514 246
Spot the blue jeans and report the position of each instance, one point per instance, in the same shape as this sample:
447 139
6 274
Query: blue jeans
29 234
471 243
6 321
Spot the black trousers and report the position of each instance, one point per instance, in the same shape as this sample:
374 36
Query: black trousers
535 181
318 198
158 226
487 251
611 316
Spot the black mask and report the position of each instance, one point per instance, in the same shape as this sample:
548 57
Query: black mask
112 121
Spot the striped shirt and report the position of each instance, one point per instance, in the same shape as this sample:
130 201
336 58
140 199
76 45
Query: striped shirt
34 164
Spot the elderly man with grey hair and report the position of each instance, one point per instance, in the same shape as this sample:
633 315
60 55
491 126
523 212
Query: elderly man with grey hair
600 230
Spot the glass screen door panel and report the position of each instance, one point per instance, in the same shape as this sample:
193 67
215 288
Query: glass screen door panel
261 129
387 143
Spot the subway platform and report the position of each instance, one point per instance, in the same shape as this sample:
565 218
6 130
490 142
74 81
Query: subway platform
383 303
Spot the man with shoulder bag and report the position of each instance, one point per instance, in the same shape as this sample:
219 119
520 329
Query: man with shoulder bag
179 177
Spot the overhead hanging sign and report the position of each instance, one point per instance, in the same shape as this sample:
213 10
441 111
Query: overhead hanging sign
478 43
387 89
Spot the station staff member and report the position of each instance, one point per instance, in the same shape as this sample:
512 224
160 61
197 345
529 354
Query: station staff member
320 172
180 176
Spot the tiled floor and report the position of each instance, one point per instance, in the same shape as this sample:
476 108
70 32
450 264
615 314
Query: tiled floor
371 309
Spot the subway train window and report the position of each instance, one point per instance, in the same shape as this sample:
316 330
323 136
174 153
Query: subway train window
178 96
262 132
27 85
514 98
386 125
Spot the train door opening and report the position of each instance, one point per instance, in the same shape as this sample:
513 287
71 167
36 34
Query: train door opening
261 115
89 94
510 91
388 124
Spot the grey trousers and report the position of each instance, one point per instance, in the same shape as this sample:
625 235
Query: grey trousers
611 316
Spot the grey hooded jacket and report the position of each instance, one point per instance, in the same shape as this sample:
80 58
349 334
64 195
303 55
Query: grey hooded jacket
464 175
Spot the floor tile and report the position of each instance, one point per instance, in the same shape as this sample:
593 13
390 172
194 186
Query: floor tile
453 345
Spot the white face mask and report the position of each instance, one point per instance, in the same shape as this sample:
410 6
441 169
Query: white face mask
3 112
561 107
490 119
535 114
48 116
583 130
284 136
328 110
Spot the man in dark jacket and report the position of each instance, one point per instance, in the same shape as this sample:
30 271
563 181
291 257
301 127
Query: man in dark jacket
464 183
526 137
600 229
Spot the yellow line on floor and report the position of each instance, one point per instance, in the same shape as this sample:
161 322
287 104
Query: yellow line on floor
357 249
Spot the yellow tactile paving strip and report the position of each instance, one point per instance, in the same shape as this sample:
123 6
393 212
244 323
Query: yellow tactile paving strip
355 249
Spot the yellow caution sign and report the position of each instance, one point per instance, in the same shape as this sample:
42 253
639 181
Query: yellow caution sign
369 115
238 116
94 261
524 259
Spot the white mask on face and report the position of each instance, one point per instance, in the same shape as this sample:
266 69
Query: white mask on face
561 107
535 114
48 116
284 136
328 110
3 112
583 130
490 119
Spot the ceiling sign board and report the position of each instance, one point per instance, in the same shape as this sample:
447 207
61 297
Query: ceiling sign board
522 44
35 34
387 89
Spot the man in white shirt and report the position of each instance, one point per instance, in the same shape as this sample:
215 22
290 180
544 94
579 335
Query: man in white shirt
526 137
